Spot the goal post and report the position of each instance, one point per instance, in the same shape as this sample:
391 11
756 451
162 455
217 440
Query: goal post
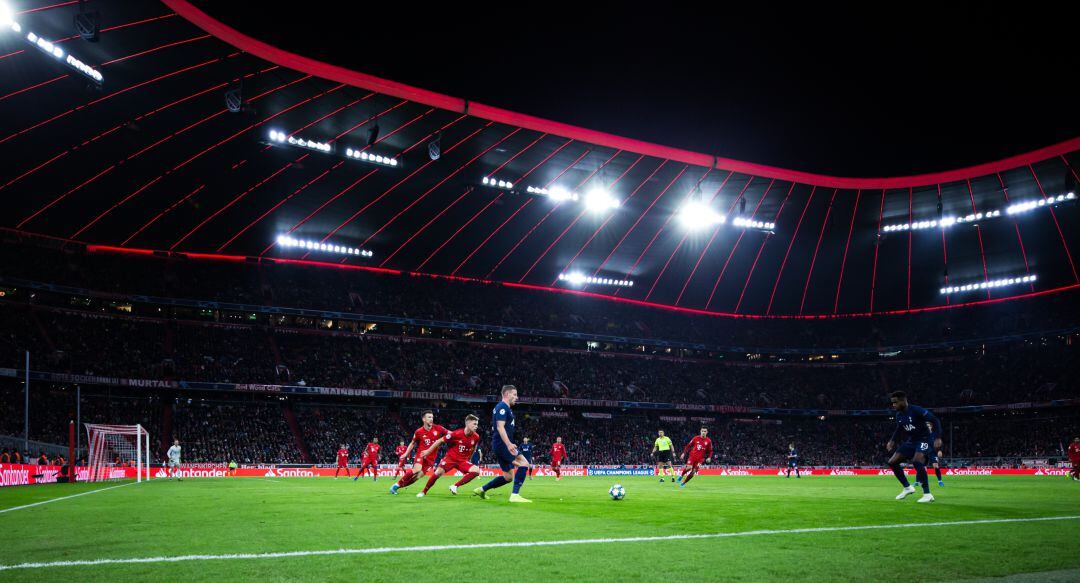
112 448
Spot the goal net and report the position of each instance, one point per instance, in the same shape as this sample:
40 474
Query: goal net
115 448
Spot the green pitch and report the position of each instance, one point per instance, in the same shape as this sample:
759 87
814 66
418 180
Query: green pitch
252 515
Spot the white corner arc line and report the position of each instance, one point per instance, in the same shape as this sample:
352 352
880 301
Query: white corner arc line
551 543
51 500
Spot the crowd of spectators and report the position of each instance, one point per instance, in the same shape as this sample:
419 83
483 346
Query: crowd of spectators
77 342
369 293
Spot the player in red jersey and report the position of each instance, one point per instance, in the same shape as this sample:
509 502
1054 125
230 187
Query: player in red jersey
700 450
558 456
370 459
423 438
1074 457
460 444
342 460
399 451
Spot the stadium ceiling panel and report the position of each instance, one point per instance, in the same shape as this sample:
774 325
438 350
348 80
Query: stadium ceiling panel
177 133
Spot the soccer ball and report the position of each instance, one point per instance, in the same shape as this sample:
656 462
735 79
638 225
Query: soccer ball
617 492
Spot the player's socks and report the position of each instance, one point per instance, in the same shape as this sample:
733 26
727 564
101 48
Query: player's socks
430 482
687 479
898 470
466 479
496 482
519 478
920 475
937 471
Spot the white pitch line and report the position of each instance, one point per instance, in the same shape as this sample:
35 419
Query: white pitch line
550 543
64 498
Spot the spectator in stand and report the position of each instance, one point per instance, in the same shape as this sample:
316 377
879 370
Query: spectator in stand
43 460
5 457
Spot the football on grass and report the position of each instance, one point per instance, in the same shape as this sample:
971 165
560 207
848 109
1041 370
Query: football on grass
617 492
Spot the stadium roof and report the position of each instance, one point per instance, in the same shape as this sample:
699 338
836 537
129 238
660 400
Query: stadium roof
151 158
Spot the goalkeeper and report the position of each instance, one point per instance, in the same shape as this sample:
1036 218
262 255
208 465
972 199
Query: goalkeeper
174 460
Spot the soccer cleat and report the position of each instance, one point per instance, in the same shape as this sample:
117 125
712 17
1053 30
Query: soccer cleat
356 478
941 483
394 489
661 480
518 498
480 492
928 497
906 492
420 495
453 489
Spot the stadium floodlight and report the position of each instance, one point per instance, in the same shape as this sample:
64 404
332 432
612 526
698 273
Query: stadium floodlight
281 138
372 158
1029 205
555 193
994 283
49 48
7 15
696 215
496 183
287 241
752 224
578 278
599 200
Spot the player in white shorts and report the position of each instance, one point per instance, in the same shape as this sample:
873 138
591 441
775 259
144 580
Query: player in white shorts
174 459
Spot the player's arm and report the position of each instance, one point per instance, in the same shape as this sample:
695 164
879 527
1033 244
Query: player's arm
686 448
434 447
500 426
708 452
655 445
565 454
892 440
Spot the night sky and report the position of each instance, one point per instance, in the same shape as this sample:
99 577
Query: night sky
844 93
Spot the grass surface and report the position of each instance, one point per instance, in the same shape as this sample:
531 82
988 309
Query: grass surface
253 515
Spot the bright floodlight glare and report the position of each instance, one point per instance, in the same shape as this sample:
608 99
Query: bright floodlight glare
599 200
696 215
7 16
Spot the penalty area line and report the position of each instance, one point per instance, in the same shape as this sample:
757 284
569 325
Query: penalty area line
549 543
64 498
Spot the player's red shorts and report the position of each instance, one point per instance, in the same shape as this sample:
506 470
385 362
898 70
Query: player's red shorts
368 462
556 463
425 464
460 465
342 464
694 461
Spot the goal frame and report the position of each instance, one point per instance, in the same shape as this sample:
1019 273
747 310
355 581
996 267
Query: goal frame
100 448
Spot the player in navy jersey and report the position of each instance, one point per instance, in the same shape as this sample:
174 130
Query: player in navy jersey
792 461
477 456
916 426
526 450
513 464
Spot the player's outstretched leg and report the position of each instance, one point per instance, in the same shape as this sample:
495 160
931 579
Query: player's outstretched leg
496 482
430 482
937 471
898 471
464 480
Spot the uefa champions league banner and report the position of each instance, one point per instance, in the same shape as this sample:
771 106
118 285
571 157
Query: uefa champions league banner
621 471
